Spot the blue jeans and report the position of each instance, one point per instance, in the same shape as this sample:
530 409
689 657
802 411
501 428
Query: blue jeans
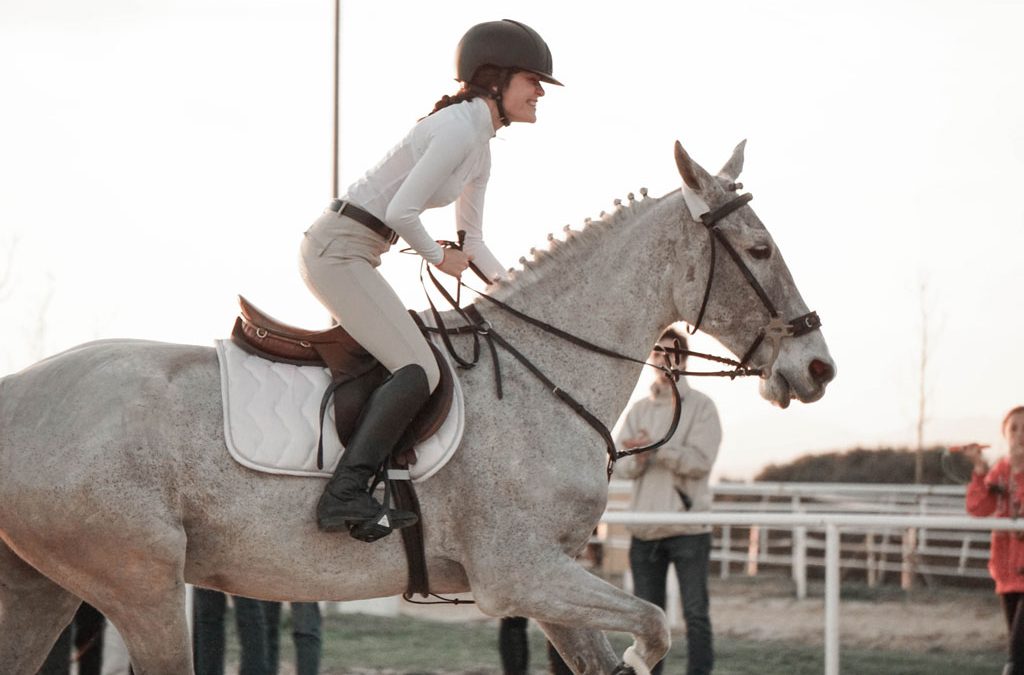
85 634
305 633
208 634
690 554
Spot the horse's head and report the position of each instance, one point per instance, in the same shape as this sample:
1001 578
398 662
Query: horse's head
748 299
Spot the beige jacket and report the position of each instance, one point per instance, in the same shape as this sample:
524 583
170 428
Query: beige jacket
682 465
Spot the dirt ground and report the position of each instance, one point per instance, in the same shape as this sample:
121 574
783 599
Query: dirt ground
922 620
765 608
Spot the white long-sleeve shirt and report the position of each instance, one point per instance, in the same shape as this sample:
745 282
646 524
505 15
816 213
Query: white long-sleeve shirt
444 158
681 466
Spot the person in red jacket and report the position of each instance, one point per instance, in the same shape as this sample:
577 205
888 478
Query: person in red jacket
999 492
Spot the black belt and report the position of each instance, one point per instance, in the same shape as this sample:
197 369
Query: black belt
343 208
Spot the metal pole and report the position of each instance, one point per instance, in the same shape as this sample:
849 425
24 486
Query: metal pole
831 599
337 77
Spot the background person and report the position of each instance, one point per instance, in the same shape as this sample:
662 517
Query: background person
85 633
999 492
208 639
673 478
306 635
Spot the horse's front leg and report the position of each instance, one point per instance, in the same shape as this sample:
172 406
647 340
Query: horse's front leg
573 605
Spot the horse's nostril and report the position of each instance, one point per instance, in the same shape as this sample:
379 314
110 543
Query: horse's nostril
821 372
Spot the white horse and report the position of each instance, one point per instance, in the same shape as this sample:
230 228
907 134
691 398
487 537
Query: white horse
116 487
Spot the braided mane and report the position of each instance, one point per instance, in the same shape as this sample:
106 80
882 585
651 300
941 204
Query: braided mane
575 243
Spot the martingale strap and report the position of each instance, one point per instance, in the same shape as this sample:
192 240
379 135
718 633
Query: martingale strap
614 454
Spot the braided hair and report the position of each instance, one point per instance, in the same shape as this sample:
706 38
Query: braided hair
486 80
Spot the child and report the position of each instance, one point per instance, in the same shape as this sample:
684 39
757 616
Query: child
999 492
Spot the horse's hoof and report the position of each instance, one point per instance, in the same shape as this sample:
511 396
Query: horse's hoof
623 669
632 663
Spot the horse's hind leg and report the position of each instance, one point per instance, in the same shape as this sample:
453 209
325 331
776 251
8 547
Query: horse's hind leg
155 631
144 596
138 585
33 612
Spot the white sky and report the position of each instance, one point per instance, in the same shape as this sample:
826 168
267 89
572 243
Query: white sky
158 157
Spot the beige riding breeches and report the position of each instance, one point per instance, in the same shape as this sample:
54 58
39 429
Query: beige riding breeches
338 260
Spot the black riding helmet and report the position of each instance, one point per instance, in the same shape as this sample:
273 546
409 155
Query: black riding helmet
505 44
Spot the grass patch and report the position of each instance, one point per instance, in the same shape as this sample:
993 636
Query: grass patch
358 643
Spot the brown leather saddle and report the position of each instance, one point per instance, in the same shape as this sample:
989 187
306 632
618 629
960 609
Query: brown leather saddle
354 371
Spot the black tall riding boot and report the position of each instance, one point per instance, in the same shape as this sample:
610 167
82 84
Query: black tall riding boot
346 502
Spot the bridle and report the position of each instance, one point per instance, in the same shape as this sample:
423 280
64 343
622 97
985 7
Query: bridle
776 329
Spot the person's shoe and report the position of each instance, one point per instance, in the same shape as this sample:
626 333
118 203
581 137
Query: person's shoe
346 502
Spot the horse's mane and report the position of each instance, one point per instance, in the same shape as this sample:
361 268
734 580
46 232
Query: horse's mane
576 243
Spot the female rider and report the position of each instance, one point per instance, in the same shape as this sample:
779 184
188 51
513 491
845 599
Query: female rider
444 158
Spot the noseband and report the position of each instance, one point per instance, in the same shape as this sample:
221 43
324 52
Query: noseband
776 328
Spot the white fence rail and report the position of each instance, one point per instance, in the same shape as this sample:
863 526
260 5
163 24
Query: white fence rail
832 524
875 551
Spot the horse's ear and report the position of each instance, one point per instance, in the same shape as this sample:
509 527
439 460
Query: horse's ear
734 166
693 174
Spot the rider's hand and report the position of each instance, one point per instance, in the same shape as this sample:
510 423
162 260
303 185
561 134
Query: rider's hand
972 452
455 262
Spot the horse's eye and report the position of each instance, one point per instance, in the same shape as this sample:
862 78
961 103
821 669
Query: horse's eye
762 252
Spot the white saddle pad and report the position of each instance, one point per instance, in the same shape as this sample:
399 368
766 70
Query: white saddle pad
272 418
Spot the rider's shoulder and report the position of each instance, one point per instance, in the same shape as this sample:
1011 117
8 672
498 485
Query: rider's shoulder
464 124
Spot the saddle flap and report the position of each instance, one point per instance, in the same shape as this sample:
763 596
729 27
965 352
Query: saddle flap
436 410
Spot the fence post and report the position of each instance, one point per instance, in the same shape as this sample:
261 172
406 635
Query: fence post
922 535
726 551
871 555
800 561
799 554
908 568
831 599
752 548
965 547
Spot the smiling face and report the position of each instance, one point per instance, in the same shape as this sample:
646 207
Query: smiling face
520 97
1013 430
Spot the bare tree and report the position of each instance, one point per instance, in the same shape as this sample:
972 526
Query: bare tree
33 330
38 340
7 273
922 390
926 337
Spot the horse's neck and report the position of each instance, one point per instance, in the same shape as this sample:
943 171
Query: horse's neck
610 285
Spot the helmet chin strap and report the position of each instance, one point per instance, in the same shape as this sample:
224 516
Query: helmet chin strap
501 111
